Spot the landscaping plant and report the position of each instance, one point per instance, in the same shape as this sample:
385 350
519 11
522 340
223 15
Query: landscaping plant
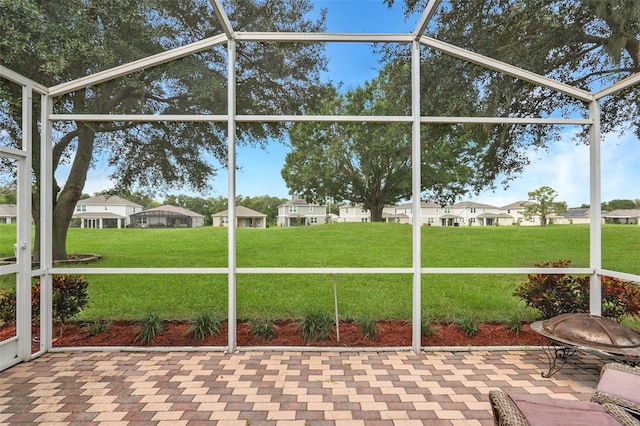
70 296
96 327
555 294
368 328
427 328
263 328
151 327
202 324
469 325
316 326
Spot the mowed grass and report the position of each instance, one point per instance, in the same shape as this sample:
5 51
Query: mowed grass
487 297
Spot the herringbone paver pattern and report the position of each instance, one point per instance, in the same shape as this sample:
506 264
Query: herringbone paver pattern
278 388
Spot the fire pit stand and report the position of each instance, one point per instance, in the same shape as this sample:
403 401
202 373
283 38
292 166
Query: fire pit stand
571 333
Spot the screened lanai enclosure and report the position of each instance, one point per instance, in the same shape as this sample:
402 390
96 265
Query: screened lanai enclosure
167 96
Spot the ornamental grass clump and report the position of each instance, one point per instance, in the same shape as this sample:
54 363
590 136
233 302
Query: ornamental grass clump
202 324
151 327
316 326
368 327
469 324
263 328
555 294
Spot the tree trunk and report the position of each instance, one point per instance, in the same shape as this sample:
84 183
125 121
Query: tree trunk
65 202
376 212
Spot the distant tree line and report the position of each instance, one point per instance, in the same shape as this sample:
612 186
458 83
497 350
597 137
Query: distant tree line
617 205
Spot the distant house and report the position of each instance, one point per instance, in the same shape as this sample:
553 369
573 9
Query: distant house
403 213
470 213
353 213
245 218
167 217
623 216
104 211
516 212
571 217
297 212
8 214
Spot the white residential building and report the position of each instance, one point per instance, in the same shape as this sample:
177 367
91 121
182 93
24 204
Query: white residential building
297 212
8 214
245 218
403 213
516 211
105 211
469 213
571 217
354 213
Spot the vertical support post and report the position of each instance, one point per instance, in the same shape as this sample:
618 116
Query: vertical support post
595 199
23 249
231 165
46 224
416 181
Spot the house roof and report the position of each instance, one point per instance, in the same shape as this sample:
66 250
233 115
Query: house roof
298 202
574 213
494 216
241 211
623 213
110 200
423 204
9 210
168 210
98 215
467 204
517 205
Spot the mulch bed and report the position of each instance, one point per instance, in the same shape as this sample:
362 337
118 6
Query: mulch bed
389 334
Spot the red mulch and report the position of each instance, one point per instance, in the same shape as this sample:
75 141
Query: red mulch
389 334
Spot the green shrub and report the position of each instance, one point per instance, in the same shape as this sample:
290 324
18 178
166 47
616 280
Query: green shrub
151 327
263 328
8 304
316 326
469 325
202 324
70 296
555 294
368 328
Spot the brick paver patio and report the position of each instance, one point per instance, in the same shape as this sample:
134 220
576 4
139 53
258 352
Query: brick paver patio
279 388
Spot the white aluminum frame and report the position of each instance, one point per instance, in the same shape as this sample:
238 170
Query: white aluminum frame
230 37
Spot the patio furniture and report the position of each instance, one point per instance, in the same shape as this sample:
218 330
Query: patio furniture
619 384
616 401
532 410
571 333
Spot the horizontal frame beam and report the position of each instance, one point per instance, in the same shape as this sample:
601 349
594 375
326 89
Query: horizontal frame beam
324 37
315 118
329 271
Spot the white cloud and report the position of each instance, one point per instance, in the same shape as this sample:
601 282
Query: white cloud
566 168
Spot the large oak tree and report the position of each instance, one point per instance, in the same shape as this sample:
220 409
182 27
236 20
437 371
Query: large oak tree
56 42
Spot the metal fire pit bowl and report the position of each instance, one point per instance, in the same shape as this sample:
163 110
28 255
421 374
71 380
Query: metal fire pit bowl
569 333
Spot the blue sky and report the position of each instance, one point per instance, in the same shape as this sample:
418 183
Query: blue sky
565 167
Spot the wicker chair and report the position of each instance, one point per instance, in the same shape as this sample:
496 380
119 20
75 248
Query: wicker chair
616 401
533 410
619 384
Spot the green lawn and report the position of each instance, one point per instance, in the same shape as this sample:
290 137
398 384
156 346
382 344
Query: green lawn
383 296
